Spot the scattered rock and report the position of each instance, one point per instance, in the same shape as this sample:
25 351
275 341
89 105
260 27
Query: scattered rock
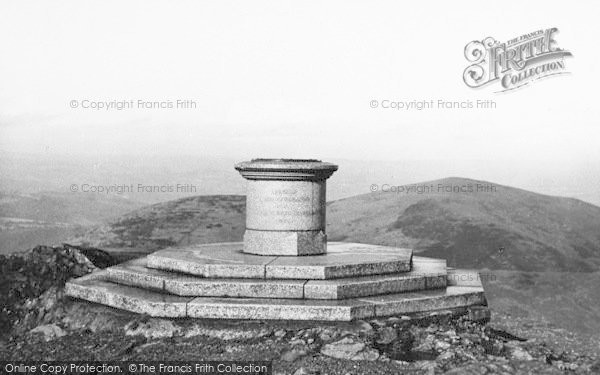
480 314
441 346
227 334
461 347
297 342
432 328
502 335
377 323
427 344
368 354
566 366
345 348
280 333
349 348
293 354
152 329
386 335
440 317
364 327
519 354
48 331
232 349
327 335
470 338
446 356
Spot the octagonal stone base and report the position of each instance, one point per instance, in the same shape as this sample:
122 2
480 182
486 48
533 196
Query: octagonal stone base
219 281
226 260
95 288
290 243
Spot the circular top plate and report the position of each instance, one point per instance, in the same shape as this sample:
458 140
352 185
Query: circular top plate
285 169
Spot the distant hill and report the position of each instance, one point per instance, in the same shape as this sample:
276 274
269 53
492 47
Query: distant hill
201 219
27 220
506 228
72 208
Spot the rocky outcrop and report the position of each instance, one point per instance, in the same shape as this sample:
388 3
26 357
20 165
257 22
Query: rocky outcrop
48 332
31 283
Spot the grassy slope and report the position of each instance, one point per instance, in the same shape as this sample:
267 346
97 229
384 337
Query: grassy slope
570 300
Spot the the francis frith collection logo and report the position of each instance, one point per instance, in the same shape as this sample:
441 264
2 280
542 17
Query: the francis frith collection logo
515 63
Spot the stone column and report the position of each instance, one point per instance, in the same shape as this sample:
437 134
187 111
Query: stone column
285 206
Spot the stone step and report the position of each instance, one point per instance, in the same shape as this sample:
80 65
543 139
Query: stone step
96 288
226 260
427 273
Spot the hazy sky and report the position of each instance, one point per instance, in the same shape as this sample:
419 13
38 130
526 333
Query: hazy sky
289 79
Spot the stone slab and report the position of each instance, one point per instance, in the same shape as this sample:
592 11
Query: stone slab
228 261
335 247
426 264
244 288
136 273
429 300
213 260
342 260
94 289
269 309
285 243
432 269
427 273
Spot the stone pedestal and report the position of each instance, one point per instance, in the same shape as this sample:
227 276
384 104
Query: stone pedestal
265 278
285 206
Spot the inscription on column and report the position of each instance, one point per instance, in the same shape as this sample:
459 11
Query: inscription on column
293 207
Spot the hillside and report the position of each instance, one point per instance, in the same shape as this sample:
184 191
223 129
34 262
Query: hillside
506 228
27 220
202 219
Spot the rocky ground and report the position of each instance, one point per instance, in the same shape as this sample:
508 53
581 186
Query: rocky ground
451 342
